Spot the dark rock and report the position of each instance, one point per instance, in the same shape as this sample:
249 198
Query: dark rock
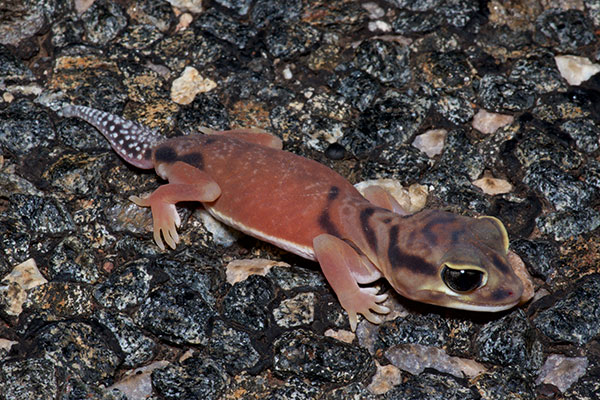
386 61
241 7
71 261
265 12
206 110
567 224
247 303
225 28
358 88
408 22
585 132
432 386
575 317
136 347
12 70
395 118
125 289
303 354
561 189
25 127
176 314
20 20
287 40
540 256
503 383
428 330
234 348
510 341
538 146
194 378
403 162
34 378
500 94
77 348
566 30
448 71
103 21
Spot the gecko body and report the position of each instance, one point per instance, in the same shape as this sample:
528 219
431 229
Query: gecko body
244 179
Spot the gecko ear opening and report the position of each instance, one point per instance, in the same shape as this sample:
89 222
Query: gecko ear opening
492 232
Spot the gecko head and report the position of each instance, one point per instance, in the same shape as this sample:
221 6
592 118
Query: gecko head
457 262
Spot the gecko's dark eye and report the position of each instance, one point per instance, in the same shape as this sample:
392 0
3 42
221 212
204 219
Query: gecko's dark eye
462 280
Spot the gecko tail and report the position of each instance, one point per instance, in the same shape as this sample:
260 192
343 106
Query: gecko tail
130 140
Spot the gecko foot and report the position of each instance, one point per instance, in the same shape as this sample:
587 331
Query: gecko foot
365 301
166 220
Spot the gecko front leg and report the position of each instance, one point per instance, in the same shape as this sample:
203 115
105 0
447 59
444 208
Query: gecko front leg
344 269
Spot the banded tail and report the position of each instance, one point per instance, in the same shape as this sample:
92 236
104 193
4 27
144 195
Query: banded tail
131 141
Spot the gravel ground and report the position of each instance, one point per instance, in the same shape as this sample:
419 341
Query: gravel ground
90 308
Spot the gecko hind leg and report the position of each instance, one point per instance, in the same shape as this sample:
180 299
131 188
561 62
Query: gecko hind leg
186 183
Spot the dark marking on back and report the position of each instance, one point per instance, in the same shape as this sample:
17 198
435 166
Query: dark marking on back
399 259
165 154
334 192
194 159
148 154
364 216
209 140
327 225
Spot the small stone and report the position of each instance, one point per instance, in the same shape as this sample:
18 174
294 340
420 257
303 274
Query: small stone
240 270
412 199
137 384
414 358
385 378
14 286
576 69
340 334
193 6
488 122
27 275
493 186
381 26
562 371
431 142
188 85
81 6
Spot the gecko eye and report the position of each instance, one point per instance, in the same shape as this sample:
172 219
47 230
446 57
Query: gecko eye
462 280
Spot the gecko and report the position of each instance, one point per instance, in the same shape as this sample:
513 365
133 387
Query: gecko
244 179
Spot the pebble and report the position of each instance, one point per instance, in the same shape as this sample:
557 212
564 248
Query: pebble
431 142
562 371
575 69
188 85
489 122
